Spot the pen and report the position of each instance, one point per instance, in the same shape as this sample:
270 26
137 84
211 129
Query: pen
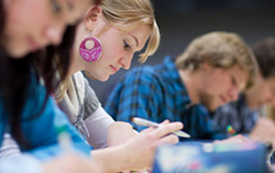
144 122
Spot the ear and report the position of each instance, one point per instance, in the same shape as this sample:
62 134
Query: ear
92 17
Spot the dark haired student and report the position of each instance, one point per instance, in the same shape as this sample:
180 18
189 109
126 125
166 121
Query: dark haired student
27 111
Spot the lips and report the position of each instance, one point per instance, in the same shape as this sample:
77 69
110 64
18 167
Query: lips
34 45
114 69
223 99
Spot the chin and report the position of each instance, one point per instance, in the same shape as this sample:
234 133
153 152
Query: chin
17 54
211 109
214 108
103 79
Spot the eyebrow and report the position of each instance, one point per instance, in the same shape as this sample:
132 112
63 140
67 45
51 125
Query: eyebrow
69 4
135 40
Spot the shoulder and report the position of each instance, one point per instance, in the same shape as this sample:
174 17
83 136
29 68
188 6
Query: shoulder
37 100
142 73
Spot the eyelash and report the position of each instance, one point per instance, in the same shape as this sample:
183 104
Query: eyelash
55 6
126 45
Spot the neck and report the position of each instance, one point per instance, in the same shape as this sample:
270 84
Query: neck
75 66
189 80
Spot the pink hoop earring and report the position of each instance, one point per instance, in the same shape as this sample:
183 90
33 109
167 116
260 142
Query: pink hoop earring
90 54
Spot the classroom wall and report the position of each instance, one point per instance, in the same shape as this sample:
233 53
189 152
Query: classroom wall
180 21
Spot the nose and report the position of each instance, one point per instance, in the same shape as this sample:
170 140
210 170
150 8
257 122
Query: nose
125 63
234 94
54 33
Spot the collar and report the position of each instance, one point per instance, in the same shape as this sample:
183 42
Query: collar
173 80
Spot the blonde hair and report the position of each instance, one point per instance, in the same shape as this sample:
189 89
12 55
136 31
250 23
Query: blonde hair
126 15
219 49
60 92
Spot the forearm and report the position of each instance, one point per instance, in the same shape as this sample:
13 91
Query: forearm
98 122
112 159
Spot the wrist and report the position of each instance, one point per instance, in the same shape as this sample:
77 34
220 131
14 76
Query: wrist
115 155
120 125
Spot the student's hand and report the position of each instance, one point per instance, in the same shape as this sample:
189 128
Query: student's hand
234 139
264 131
119 133
140 150
70 163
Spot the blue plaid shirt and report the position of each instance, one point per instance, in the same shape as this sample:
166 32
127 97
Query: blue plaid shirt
158 93
236 114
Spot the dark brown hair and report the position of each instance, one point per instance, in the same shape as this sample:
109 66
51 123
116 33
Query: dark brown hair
264 51
15 77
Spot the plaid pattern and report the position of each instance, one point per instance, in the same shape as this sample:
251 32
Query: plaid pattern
238 115
158 93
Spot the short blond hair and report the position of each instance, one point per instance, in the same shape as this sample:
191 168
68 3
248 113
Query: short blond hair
128 15
219 49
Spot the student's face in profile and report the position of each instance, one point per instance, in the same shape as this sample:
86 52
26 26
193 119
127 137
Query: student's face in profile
118 49
220 86
262 93
34 24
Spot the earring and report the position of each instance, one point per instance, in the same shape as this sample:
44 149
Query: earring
93 54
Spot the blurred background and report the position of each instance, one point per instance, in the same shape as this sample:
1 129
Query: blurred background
180 21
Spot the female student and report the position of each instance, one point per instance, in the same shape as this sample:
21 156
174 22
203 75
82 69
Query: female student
118 35
26 111
116 30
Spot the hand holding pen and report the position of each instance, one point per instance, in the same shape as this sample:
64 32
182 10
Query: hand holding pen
144 145
147 123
